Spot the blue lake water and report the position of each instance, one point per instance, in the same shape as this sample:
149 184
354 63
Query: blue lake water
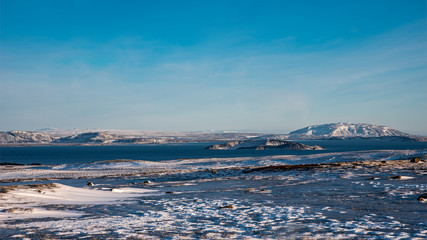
84 154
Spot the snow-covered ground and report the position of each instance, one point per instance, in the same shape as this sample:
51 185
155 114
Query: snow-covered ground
352 195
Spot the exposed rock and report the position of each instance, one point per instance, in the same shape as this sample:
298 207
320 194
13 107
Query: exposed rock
396 177
228 206
422 197
415 160
90 183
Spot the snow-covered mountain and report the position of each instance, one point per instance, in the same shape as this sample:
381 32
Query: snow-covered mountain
90 137
25 137
262 145
349 130
105 137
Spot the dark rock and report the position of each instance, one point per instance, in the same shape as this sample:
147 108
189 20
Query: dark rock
147 181
396 177
13 164
228 206
169 192
90 183
4 190
214 171
415 160
422 197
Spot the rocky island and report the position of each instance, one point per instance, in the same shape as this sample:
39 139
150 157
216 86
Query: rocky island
263 145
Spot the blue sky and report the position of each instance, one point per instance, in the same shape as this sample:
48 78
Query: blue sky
201 65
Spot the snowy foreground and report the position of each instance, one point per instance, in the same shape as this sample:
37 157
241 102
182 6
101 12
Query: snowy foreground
352 195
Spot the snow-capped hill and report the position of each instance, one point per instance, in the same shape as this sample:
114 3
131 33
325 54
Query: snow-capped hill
262 145
349 130
25 137
90 137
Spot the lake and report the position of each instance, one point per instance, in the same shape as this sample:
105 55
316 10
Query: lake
83 154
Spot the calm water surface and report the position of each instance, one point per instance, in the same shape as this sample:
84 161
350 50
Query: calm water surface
83 154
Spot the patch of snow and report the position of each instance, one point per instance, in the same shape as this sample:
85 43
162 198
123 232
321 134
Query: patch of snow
63 194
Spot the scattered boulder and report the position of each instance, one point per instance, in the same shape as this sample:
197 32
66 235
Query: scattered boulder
415 160
396 177
169 192
228 206
214 171
147 182
90 183
422 197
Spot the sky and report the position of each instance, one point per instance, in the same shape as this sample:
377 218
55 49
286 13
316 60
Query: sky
184 65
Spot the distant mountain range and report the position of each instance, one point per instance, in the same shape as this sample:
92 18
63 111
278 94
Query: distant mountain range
336 131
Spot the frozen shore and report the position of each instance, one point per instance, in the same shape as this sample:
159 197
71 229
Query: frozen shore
371 194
